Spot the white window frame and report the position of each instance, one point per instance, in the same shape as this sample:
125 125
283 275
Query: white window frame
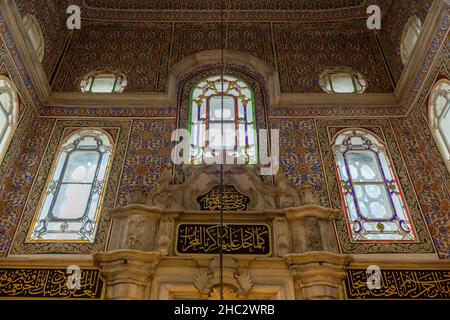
88 80
15 116
357 78
433 119
415 25
32 26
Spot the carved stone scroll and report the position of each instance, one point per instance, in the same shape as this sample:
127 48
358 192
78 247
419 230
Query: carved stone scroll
236 283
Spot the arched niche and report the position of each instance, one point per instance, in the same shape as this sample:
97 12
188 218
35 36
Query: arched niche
230 58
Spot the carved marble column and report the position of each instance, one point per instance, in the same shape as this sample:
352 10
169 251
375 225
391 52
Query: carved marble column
134 227
318 275
311 228
128 273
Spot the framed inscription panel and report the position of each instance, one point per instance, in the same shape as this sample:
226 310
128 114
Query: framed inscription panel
250 239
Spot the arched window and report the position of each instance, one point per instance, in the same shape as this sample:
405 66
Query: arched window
70 205
409 37
439 114
9 113
35 34
238 140
374 203
342 80
107 81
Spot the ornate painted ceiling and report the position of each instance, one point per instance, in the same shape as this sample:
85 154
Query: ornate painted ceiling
235 10
206 5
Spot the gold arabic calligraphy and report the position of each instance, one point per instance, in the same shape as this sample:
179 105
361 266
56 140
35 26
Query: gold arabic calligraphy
400 284
48 283
233 200
238 239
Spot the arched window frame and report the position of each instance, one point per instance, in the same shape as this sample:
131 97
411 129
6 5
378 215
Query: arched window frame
246 145
120 80
414 25
46 226
34 31
11 112
358 80
398 227
440 89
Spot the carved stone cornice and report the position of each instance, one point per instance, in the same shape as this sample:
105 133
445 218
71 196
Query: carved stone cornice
311 210
321 257
136 209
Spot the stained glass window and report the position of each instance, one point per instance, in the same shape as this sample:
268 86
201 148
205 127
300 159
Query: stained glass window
8 113
439 113
70 206
342 80
222 119
409 38
35 34
104 81
374 203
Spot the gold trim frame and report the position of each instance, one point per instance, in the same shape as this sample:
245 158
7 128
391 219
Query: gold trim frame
382 128
20 245
64 138
269 254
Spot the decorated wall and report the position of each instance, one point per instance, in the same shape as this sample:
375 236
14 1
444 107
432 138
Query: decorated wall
145 51
143 134
397 14
51 16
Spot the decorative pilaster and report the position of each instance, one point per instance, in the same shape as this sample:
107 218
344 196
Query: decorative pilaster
318 275
311 228
134 227
128 273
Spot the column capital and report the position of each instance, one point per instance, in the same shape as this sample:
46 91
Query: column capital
128 273
318 275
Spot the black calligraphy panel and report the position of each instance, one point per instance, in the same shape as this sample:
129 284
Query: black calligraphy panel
48 283
399 284
232 199
236 239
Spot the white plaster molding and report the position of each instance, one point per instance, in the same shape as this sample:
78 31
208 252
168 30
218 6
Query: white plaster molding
26 50
229 56
423 44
